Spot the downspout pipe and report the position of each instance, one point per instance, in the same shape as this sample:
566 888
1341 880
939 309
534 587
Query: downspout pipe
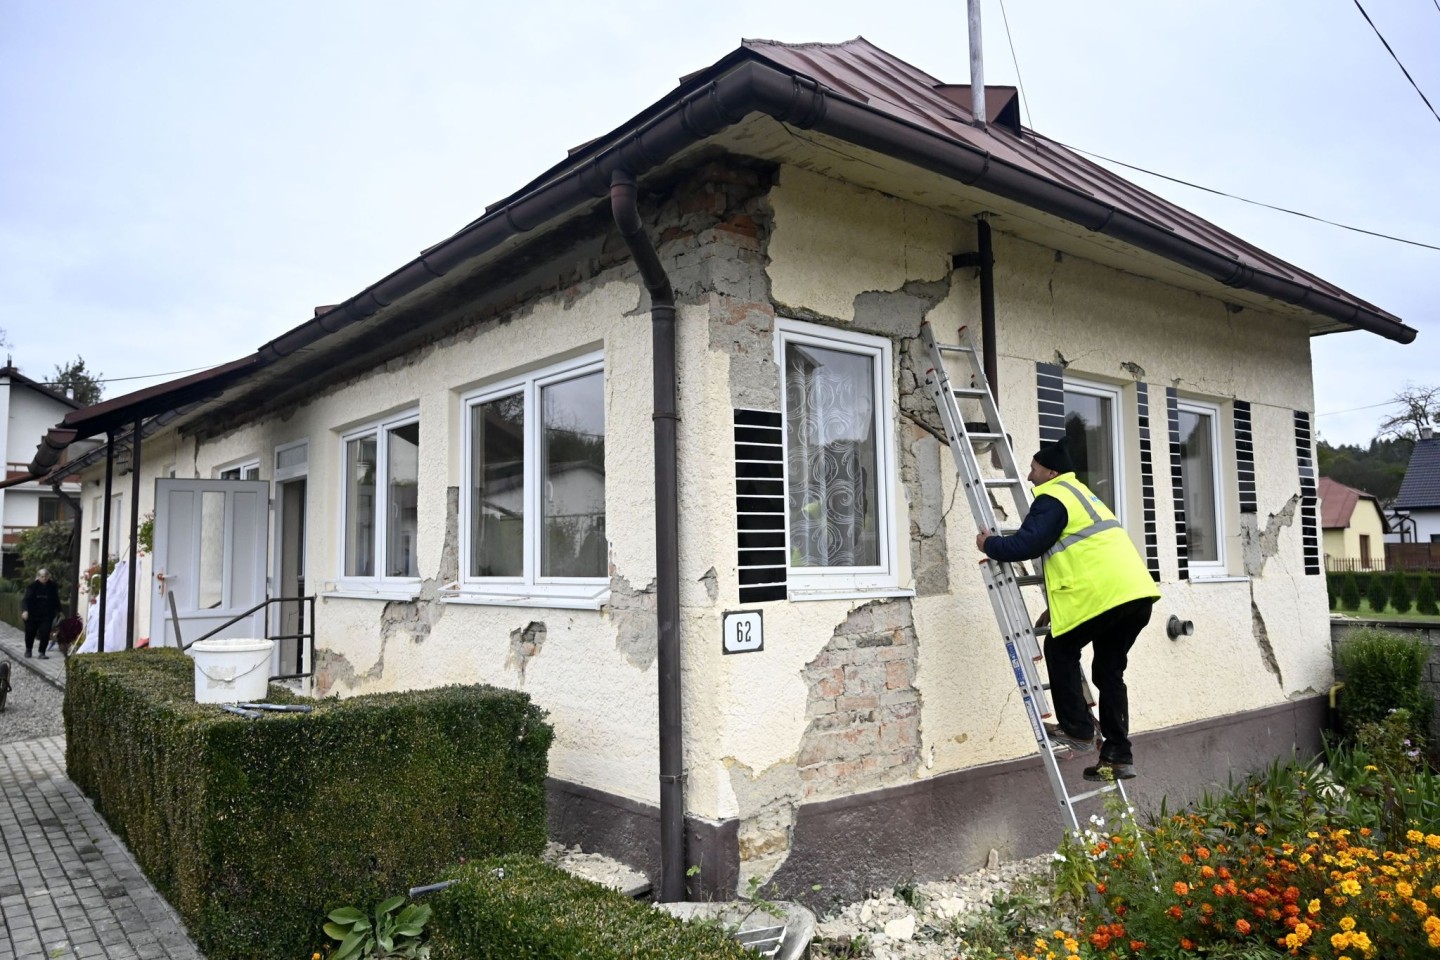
625 209
134 534
105 537
984 260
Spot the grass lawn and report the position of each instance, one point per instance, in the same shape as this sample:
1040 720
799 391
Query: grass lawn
1365 613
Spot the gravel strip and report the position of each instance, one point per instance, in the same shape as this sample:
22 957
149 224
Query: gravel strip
33 708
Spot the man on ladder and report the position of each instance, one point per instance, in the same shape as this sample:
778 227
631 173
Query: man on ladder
1099 593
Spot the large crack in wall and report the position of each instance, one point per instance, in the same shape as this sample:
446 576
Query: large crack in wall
1258 546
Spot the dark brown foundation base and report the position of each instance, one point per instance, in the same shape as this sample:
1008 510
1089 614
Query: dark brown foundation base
941 826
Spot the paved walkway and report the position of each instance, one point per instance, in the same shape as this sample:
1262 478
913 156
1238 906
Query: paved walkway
68 887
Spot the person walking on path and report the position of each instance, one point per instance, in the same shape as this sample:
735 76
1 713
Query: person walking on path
1099 593
38 608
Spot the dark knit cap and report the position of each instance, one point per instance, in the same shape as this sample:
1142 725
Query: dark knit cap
1055 456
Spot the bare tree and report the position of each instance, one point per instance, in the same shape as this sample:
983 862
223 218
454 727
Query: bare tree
1419 407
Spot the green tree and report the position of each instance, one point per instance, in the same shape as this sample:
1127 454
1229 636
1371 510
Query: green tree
1350 593
1377 594
1425 597
1400 592
48 547
78 383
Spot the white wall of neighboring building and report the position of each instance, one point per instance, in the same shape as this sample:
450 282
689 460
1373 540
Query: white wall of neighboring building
25 416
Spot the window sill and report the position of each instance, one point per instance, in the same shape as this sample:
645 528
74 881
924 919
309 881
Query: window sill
1218 578
591 601
403 590
807 594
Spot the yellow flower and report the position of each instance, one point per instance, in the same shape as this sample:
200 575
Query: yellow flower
1340 941
1072 946
1414 836
1347 923
1371 767
1313 907
1350 886
1432 840
1403 888
1419 907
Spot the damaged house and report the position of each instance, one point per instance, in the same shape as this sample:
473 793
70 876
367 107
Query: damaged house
650 441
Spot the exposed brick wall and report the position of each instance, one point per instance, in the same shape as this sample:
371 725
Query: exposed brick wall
863 707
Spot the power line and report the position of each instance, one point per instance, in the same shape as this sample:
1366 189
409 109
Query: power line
1019 81
1397 59
1231 196
143 376
1372 406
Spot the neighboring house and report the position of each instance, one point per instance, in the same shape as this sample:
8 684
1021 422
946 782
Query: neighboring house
1418 501
1353 526
27 410
433 456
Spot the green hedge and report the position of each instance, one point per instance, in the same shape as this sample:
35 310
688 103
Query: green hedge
254 829
10 610
517 908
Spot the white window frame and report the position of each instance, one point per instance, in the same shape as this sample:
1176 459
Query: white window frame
528 589
391 587
290 473
248 469
1116 397
831 582
1210 569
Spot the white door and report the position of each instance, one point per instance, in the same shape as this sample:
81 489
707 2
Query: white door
210 548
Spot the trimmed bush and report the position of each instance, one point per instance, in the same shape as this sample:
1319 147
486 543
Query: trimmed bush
1378 595
1400 593
1425 597
255 829
1383 671
1332 589
517 908
1350 593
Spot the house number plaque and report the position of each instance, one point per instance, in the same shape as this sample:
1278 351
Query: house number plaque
743 631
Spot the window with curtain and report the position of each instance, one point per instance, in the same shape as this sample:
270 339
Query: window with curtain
837 455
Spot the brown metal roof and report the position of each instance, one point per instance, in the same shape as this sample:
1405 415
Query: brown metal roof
860 70
1337 505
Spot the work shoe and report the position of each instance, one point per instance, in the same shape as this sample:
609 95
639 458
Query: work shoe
1059 738
28 654
44 656
1107 770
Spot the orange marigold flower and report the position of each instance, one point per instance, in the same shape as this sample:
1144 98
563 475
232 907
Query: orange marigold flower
1202 852
1207 871
1100 888
1186 943
1260 830
1137 945
1243 926
1224 873
1175 913
1181 889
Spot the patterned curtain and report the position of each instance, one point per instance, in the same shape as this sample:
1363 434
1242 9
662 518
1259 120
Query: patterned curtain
830 425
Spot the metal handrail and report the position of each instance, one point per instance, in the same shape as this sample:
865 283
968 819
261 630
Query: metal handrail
300 672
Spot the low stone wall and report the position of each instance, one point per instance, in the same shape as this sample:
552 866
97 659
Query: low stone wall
1426 633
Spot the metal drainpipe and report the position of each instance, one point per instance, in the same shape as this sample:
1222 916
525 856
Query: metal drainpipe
987 307
134 536
667 534
105 535
984 259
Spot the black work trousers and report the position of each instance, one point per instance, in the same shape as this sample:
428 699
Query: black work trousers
1112 634
38 625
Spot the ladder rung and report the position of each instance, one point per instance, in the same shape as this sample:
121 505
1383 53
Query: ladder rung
1108 788
1030 580
953 348
974 437
976 392
1003 481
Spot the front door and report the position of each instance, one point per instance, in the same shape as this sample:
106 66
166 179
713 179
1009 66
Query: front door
290 573
211 540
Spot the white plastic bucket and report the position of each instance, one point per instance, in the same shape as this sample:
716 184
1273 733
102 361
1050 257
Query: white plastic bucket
231 670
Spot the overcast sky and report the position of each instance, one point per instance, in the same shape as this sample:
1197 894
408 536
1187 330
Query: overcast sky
182 181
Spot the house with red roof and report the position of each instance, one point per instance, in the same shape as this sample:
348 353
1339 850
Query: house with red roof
1353 527
649 439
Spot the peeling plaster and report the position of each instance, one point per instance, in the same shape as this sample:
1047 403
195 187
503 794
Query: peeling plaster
633 612
415 618
1262 640
332 668
768 801
525 643
1257 546
1134 369
712 584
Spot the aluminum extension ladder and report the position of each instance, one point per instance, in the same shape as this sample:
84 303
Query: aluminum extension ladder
1003 581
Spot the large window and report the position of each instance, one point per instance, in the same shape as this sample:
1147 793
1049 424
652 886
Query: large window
1092 436
381 515
534 508
249 470
1200 478
838 457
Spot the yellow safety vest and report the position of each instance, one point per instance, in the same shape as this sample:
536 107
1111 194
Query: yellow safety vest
1094 566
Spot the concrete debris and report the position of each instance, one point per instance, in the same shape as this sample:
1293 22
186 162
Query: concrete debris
596 868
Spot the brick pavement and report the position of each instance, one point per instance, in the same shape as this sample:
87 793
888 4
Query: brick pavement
68 887
12 644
